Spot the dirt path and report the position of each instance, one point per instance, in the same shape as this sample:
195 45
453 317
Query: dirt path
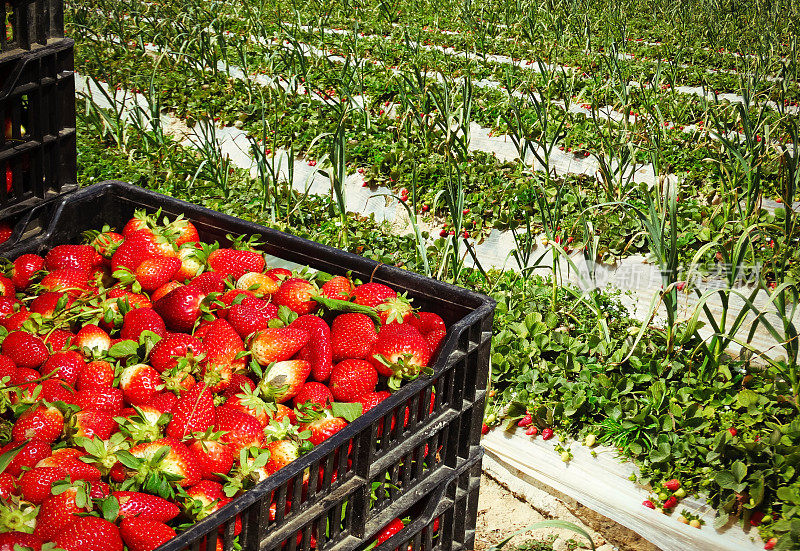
501 513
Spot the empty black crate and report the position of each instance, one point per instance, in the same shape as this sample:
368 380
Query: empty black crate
30 23
37 110
387 460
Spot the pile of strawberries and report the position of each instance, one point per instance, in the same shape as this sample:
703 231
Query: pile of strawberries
147 378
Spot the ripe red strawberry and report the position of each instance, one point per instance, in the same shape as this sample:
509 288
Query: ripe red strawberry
35 484
259 284
66 365
145 506
323 428
771 543
7 288
25 349
28 456
167 351
400 351
47 304
236 263
142 319
252 404
297 295
317 393
154 272
241 430
672 484
372 399
373 294
8 305
118 296
204 498
283 380
547 434
140 383
277 344
56 513
164 290
395 309
209 282
91 423
89 534
338 287
77 257
426 322
388 531
352 379
179 461
138 246
214 457
104 242
43 422
96 373
649 504
222 303
435 340
5 229
352 336
280 274
251 317
92 339
194 412
185 231
670 503
180 308
141 534
141 220
11 541
223 347
59 340
318 351
25 268
281 453
100 398
69 280
239 382
14 321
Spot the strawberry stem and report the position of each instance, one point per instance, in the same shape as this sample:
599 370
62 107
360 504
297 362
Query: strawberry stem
345 306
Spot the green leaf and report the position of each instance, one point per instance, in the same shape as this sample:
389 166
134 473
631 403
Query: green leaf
721 519
8 456
739 470
747 398
349 411
123 349
725 479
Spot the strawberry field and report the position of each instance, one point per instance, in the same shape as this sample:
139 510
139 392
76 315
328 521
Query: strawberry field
621 178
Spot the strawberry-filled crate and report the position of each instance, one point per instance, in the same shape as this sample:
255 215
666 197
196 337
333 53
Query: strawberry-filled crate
37 109
406 447
29 24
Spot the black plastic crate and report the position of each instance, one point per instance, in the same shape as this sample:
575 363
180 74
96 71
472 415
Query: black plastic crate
387 460
444 519
38 141
30 23
37 109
